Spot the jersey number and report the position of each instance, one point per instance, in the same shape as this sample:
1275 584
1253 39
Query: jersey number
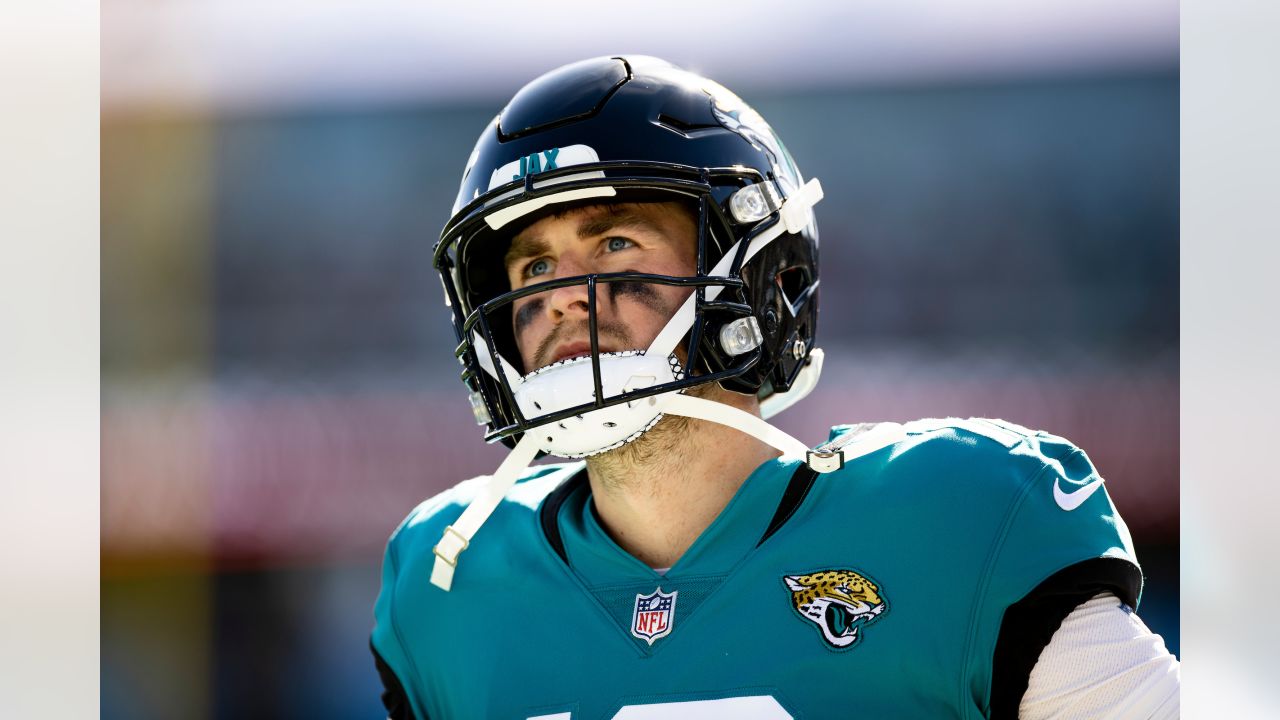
756 707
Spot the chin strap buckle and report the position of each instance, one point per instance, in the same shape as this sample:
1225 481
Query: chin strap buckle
457 537
824 462
451 544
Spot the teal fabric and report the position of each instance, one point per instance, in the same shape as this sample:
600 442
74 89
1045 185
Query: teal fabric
954 523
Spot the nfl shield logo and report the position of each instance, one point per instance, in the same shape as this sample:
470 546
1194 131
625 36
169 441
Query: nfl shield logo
654 615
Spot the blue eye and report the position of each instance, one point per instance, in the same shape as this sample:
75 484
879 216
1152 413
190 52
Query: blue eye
615 244
538 267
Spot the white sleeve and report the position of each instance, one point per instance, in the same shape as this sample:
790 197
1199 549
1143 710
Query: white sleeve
1103 662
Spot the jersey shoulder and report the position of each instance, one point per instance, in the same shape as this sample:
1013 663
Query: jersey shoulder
1030 500
423 526
413 619
983 453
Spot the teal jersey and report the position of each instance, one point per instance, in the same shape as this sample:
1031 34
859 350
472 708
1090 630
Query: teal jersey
877 590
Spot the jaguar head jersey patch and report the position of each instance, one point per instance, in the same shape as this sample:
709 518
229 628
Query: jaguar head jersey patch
840 602
653 615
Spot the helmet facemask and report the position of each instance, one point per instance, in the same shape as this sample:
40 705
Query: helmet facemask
598 401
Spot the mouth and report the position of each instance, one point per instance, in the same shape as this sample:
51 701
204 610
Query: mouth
570 351
842 619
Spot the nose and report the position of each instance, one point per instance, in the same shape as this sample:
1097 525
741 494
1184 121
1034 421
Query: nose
569 302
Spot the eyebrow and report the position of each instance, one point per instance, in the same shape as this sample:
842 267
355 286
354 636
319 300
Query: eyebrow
526 246
599 226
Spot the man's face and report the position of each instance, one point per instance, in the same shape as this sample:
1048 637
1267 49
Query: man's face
656 238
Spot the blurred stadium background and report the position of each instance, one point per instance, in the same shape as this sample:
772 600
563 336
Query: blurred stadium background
999 235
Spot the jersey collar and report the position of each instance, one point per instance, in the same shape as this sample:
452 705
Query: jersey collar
735 532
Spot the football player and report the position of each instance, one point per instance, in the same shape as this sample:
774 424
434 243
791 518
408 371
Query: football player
632 266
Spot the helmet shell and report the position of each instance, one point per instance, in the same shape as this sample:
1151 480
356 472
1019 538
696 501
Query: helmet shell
647 130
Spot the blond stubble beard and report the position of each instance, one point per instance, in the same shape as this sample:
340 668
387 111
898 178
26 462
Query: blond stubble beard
666 443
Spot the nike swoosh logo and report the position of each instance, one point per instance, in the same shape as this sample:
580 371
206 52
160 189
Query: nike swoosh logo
1071 501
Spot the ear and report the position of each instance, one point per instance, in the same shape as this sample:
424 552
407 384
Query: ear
793 583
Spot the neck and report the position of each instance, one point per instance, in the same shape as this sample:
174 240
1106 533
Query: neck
656 495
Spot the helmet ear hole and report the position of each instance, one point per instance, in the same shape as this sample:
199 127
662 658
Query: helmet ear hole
794 282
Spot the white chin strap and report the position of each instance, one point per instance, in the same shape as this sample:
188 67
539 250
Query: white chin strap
571 383
458 536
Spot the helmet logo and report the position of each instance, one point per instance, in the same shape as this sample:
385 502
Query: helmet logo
532 164
542 161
